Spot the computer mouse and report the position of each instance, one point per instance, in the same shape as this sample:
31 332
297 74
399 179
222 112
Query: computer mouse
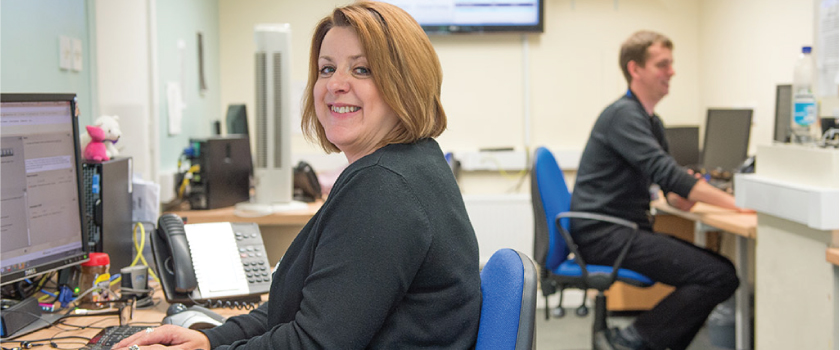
175 308
193 317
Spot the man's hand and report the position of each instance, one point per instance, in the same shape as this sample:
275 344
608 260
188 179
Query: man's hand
166 336
679 202
697 176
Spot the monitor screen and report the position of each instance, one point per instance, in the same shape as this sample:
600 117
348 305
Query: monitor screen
684 144
781 130
475 16
41 227
237 120
727 138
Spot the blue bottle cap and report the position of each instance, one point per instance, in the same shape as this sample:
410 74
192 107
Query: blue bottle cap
806 49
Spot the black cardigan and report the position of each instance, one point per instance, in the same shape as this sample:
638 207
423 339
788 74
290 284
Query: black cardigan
389 262
626 152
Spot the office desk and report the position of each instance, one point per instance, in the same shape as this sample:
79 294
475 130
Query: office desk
723 219
711 218
142 317
795 193
278 229
293 217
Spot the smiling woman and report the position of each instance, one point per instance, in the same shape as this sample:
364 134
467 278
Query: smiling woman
390 261
396 60
349 107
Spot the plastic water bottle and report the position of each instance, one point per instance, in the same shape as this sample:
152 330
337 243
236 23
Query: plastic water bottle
804 125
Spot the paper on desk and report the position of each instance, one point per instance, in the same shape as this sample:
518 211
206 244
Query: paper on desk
145 200
215 257
175 107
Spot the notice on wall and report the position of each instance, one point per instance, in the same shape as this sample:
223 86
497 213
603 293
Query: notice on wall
174 107
828 63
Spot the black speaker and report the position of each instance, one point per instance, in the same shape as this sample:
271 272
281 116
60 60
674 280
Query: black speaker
18 316
108 193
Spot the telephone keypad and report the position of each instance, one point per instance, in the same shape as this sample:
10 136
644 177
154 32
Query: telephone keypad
254 260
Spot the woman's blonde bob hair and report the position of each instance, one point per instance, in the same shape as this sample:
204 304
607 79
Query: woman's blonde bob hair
403 64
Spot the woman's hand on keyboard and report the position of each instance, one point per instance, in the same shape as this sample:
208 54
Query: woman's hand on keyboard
165 336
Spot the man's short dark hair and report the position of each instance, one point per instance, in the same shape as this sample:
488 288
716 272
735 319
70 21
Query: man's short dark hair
635 49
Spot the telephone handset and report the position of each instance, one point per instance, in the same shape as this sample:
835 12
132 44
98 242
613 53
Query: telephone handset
201 263
171 230
306 185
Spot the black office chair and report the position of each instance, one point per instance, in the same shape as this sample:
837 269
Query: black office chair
509 302
561 265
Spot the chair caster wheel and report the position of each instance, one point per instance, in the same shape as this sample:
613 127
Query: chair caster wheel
582 311
558 312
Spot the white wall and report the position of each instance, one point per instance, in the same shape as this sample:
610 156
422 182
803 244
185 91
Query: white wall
510 90
124 67
727 54
30 54
750 46
571 71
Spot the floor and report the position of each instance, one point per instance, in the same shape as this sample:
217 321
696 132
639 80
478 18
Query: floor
574 333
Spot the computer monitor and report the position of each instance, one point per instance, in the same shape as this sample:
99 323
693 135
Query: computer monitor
727 138
42 226
781 129
237 120
684 144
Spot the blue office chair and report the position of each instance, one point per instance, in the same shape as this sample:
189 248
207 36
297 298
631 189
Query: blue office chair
553 244
509 302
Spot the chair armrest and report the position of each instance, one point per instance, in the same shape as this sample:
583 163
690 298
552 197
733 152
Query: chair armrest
598 217
603 218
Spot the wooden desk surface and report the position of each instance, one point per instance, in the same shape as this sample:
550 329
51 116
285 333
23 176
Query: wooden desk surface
142 317
294 217
831 255
724 219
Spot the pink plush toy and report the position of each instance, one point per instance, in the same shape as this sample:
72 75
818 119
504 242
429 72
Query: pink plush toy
95 150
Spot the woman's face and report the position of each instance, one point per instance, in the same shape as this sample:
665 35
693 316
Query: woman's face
348 104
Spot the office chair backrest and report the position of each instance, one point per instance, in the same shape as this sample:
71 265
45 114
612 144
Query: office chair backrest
549 197
509 302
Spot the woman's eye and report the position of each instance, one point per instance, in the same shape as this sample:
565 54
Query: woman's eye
326 70
361 71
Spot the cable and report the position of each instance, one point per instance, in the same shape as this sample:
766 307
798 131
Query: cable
31 341
193 169
65 295
139 247
230 304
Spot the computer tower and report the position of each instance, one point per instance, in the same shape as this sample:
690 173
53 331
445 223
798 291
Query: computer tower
224 172
108 193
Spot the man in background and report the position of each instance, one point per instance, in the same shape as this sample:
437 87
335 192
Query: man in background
625 154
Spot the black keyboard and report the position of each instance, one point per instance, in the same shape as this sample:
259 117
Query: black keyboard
112 335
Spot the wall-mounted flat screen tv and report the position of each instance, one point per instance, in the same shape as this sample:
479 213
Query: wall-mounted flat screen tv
475 16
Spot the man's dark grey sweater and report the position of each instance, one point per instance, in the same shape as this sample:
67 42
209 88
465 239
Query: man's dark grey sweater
389 262
626 152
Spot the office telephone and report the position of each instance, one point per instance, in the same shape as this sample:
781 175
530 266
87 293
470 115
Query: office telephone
306 185
211 262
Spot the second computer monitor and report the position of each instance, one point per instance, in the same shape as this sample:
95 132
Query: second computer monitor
727 138
684 144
